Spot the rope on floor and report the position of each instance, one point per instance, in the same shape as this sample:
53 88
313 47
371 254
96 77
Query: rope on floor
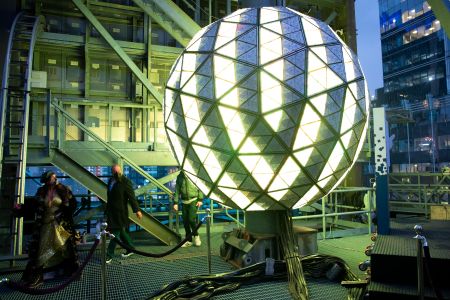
36 291
157 255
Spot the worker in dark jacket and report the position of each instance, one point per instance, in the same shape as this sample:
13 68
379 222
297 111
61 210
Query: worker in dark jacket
191 198
120 193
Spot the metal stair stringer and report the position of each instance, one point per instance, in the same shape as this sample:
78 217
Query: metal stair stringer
170 17
99 188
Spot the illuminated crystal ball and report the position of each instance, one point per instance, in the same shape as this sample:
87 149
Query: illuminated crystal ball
266 109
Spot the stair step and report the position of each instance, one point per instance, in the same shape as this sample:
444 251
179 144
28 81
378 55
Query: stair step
13 142
20 39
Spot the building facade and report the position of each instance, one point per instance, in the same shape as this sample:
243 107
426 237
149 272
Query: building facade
416 63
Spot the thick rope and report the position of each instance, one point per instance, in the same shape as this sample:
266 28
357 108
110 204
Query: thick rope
34 291
157 255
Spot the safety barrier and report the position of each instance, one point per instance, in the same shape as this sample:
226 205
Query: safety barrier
36 291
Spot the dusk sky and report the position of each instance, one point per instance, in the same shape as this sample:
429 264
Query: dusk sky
369 45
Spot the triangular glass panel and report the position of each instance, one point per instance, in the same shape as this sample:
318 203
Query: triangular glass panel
265 202
249 37
204 43
301 179
338 95
293 111
290 25
315 170
237 178
290 46
274 26
177 108
251 104
249 16
206 68
334 120
289 199
242 47
178 146
249 185
202 174
222 142
250 56
274 147
277 206
270 14
236 167
298 59
207 91
359 129
242 71
262 129
301 190
326 148
175 74
195 84
287 136
214 119
339 69
261 141
325 133
297 83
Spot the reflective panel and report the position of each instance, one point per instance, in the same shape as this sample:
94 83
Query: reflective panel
266 109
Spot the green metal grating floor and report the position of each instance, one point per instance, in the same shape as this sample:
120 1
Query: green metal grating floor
138 277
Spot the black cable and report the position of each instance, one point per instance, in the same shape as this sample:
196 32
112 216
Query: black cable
33 291
158 255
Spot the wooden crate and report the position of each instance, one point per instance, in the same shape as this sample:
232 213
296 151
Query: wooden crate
440 212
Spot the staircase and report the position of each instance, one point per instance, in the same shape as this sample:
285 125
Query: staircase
170 17
15 108
99 188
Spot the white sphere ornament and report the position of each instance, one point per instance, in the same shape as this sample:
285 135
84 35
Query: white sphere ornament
266 109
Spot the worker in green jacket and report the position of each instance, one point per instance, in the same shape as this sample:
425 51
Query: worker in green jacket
191 198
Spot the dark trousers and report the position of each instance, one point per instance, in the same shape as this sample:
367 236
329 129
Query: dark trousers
121 234
189 214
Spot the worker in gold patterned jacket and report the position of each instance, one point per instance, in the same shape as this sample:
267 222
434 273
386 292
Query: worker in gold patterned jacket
53 239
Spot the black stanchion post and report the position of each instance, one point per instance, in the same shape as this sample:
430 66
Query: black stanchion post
208 237
103 252
420 243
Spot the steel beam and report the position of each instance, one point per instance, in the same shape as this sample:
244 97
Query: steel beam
125 58
174 14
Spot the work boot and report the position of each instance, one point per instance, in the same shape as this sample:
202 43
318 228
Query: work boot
197 241
187 244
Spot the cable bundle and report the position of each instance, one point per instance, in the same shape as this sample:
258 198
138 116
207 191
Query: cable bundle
296 279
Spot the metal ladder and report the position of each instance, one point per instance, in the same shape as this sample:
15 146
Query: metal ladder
15 108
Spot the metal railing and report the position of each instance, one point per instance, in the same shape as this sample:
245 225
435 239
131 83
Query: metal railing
331 213
415 192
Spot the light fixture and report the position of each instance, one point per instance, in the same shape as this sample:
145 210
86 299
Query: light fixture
266 109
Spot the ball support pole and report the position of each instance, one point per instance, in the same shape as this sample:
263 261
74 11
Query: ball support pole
208 238
103 234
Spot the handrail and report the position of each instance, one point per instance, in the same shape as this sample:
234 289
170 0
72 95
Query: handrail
110 148
5 87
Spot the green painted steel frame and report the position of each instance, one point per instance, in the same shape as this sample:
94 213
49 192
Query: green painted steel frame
120 52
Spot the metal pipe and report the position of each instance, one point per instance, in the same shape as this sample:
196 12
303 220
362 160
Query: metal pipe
324 223
233 218
359 212
103 253
420 278
208 237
